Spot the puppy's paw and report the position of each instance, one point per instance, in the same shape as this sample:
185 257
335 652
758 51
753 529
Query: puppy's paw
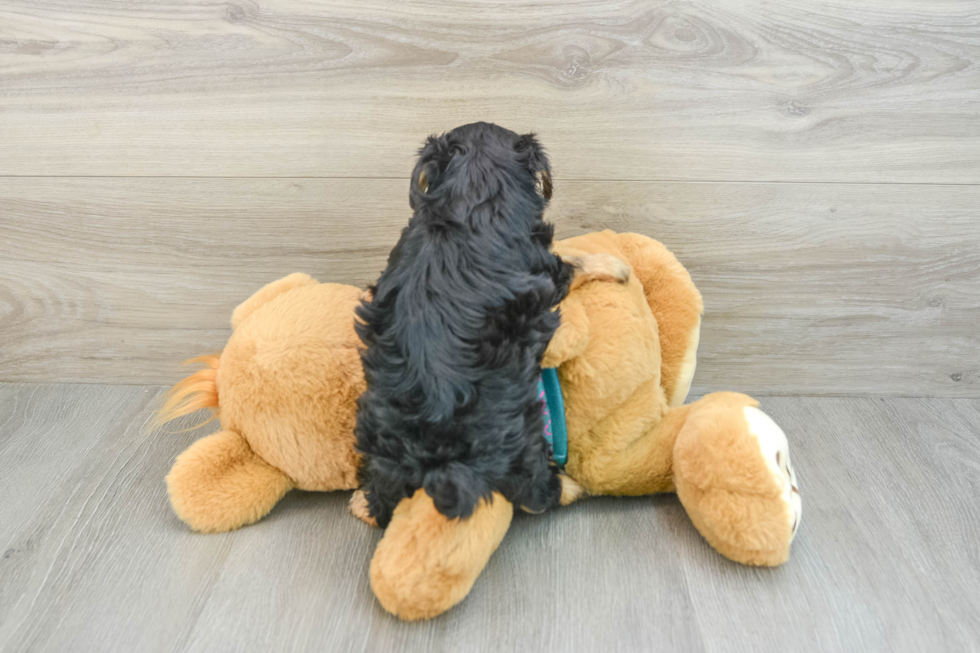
358 507
532 512
598 267
571 491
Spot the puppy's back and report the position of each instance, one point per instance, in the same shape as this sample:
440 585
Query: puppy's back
455 333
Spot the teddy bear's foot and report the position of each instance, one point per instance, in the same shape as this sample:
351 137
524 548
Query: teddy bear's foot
426 564
219 484
775 450
733 475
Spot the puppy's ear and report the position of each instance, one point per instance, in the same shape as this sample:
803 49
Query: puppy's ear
536 161
426 170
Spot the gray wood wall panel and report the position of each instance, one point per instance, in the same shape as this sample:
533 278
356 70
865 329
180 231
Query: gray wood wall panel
159 162
801 90
809 288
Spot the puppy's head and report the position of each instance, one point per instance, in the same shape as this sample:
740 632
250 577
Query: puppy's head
476 164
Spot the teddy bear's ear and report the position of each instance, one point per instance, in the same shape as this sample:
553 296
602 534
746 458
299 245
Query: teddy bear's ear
267 293
219 484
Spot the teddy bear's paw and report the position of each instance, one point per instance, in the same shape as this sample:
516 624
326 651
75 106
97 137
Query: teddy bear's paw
616 269
358 507
598 267
775 451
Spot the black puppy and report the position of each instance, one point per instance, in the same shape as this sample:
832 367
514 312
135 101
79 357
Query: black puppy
456 328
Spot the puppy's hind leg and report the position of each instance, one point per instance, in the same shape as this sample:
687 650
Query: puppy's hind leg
358 506
545 494
537 487
372 505
571 492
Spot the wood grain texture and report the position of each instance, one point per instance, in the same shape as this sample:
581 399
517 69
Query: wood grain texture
93 558
788 90
809 288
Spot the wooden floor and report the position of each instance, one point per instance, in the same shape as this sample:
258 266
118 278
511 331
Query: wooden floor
93 559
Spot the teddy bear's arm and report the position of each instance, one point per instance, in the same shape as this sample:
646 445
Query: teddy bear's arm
572 337
676 305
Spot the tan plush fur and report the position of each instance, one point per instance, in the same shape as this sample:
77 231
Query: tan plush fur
284 389
426 564
287 382
725 485
219 484
267 293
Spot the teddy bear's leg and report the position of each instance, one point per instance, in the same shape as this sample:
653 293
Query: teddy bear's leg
726 459
267 293
733 475
629 452
219 484
572 336
426 564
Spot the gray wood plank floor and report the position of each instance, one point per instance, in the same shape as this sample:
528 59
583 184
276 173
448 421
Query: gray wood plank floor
93 559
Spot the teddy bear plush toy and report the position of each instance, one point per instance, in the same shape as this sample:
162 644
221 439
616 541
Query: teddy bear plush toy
285 387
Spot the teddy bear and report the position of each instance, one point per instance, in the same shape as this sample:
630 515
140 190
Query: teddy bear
285 387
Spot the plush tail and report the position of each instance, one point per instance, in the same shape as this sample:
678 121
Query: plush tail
199 390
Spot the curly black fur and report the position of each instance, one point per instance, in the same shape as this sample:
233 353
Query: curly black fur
456 330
